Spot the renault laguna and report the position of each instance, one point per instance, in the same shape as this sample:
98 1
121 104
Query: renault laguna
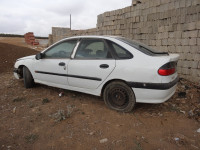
124 72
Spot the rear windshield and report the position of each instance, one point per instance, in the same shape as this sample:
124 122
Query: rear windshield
141 47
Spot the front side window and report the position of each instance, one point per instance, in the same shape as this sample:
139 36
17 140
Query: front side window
92 49
61 50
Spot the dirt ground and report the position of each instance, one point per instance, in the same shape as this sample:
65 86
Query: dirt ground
38 118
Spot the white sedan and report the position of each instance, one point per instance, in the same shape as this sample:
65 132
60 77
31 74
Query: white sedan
123 71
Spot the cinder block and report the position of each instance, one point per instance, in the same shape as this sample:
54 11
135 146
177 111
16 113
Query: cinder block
182 3
180 63
179 50
164 35
190 26
171 34
190 34
198 25
164 42
185 49
194 49
198 65
178 42
194 64
161 29
185 71
192 41
178 34
198 41
171 49
171 41
158 42
197 57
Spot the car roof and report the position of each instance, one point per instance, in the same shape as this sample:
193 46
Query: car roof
92 36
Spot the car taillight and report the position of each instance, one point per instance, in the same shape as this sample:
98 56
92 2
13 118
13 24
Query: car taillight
167 69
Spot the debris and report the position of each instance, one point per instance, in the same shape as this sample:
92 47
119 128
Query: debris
182 94
103 140
182 111
60 94
190 113
176 139
198 130
14 109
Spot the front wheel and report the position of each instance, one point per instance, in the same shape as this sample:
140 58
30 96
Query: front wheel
28 78
119 96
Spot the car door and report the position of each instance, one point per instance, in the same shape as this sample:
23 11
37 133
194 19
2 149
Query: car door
91 65
52 68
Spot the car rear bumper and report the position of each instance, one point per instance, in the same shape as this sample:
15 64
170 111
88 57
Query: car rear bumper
154 92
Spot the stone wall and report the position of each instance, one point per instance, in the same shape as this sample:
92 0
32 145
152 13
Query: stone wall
166 25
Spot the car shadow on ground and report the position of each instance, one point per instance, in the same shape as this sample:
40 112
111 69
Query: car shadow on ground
91 98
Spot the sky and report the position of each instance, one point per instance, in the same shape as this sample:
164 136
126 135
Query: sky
38 16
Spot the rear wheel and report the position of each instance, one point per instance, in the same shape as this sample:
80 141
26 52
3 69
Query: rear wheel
28 78
119 96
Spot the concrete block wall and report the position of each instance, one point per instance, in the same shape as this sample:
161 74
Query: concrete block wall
166 25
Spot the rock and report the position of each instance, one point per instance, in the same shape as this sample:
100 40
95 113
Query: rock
91 133
103 140
198 130
14 109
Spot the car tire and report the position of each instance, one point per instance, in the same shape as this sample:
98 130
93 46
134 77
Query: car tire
28 78
119 96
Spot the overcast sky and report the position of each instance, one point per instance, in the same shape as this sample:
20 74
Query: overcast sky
38 16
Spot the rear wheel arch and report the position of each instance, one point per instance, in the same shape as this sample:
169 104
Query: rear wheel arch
110 81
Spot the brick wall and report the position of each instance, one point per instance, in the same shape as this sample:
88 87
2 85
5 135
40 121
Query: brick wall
166 25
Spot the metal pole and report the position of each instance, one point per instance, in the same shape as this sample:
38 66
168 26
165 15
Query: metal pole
70 22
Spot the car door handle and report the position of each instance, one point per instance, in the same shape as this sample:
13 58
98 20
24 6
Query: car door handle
104 66
61 64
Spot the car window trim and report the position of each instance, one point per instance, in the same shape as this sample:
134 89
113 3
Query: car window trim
58 44
94 58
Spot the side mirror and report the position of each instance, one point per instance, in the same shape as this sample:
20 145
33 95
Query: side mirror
38 56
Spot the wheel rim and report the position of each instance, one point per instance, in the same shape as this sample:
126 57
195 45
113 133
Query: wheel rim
118 97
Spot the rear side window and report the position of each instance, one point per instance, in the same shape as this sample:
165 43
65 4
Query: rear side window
119 51
142 47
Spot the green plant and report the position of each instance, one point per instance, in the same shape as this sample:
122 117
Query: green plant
31 138
45 100
18 99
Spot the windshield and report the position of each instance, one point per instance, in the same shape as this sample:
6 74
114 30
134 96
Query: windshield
141 47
